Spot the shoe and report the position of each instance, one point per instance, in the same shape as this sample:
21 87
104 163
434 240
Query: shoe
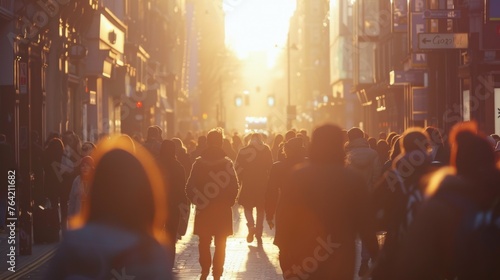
363 268
250 235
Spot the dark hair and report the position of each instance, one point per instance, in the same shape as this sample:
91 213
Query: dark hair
434 135
414 139
355 133
327 145
127 190
214 137
167 149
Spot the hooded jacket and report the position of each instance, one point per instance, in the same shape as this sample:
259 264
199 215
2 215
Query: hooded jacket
363 159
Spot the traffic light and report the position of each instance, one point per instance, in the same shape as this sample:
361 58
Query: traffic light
139 111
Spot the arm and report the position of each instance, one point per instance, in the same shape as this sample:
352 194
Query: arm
272 194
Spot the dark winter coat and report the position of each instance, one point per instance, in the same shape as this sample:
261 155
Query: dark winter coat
176 195
213 186
330 207
253 165
278 197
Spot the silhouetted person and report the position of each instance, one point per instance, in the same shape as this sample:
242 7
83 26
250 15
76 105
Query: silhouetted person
120 229
253 165
185 160
175 179
330 210
364 160
213 186
382 151
278 197
278 139
200 147
81 186
87 148
288 135
70 162
46 223
236 143
456 233
393 154
398 197
153 141
440 152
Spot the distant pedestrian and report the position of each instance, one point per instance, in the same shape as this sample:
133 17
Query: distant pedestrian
364 160
228 149
153 141
213 186
236 143
81 186
119 233
440 151
253 165
330 209
275 148
201 145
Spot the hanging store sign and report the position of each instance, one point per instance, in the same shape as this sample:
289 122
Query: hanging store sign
417 27
440 14
432 41
420 103
400 16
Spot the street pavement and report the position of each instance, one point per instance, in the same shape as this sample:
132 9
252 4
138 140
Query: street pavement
244 260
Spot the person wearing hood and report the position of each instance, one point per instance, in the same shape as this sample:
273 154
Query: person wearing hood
253 165
364 160
213 187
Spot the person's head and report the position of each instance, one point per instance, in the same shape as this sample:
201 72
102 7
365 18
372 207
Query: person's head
382 149
434 135
214 137
55 150
414 139
126 190
382 135
179 146
277 140
290 134
327 145
160 132
202 141
87 148
471 154
153 133
372 142
86 167
390 138
355 133
167 149
256 139
396 148
294 148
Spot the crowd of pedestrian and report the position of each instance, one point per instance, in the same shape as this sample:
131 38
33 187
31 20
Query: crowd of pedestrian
419 206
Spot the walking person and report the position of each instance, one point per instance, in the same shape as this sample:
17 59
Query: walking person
253 165
329 206
278 199
456 233
119 232
213 186
175 183
364 160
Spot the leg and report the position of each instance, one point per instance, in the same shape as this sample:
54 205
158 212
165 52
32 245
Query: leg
219 255
365 258
250 223
259 227
205 255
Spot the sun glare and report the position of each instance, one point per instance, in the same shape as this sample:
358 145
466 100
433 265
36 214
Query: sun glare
257 26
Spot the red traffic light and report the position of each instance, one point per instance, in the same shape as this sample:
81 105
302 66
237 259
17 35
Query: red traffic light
138 104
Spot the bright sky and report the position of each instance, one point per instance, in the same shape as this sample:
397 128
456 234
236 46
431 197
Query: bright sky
257 25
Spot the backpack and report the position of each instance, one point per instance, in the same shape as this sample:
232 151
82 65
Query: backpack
476 248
